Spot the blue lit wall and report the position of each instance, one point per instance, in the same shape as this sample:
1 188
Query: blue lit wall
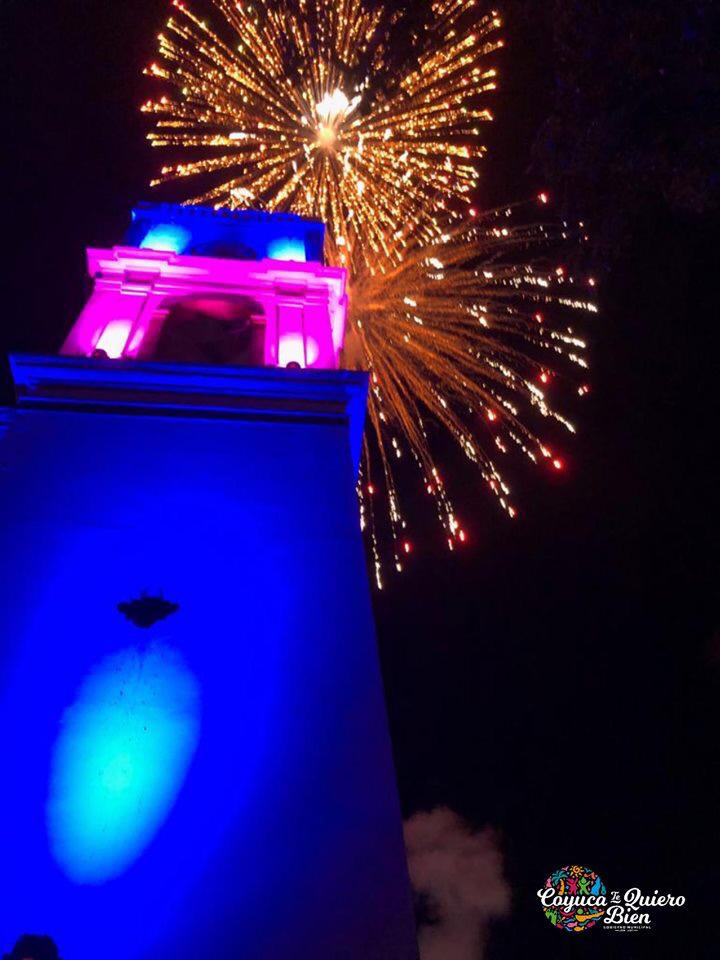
218 784
241 234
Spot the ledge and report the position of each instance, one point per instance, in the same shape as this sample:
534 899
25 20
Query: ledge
97 385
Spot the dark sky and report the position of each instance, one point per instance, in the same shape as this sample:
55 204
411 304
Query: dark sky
558 679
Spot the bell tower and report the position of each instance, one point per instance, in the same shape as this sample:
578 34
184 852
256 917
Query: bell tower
195 747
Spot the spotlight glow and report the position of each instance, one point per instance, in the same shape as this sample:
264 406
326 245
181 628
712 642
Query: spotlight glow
120 760
287 248
168 237
114 337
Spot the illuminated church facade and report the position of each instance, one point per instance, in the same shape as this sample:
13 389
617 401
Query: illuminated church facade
196 755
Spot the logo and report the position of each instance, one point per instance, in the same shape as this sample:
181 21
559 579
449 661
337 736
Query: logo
573 898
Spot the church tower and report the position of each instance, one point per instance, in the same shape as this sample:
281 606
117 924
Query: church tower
196 760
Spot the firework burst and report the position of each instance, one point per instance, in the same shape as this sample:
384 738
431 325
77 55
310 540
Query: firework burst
471 332
458 317
305 108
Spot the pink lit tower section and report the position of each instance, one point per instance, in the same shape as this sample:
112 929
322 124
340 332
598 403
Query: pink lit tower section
196 755
299 305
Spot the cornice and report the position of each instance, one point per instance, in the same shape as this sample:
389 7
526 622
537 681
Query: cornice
98 385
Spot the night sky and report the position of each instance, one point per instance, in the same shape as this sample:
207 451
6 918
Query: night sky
558 678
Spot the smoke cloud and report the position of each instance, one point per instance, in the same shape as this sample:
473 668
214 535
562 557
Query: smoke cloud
458 874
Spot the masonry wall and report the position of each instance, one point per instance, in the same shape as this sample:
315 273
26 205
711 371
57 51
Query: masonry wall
262 819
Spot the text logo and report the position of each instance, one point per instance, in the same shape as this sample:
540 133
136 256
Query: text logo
573 898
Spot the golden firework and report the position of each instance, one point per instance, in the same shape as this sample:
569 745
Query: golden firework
304 108
470 331
359 117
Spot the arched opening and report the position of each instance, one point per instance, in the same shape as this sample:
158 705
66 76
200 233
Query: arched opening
212 329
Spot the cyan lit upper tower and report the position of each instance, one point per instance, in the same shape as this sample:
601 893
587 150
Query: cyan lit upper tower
195 284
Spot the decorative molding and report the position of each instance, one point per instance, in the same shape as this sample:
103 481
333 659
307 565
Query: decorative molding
96 385
133 288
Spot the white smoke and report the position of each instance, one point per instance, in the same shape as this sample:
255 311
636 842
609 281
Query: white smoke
460 873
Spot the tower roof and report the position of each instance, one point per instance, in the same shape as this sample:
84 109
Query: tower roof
236 234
